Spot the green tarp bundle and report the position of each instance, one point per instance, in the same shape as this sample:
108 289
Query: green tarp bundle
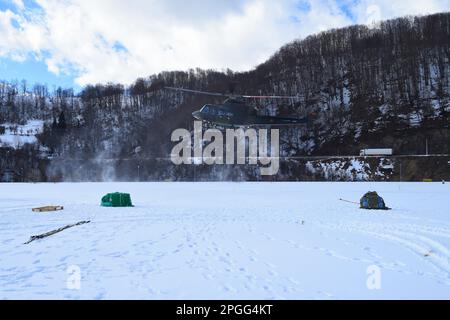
117 199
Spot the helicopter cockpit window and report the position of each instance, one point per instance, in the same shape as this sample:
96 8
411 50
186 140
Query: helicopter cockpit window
205 109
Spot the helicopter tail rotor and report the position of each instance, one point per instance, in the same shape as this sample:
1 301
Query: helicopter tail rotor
232 87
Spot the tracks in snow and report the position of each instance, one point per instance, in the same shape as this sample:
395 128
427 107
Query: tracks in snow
421 240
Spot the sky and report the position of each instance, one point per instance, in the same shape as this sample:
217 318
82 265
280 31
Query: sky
71 43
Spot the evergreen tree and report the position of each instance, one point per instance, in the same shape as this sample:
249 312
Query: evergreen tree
62 121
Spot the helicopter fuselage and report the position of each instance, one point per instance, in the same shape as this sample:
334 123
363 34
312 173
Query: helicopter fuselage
235 113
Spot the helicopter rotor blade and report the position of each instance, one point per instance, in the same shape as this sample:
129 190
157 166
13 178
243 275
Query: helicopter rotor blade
231 95
271 97
197 91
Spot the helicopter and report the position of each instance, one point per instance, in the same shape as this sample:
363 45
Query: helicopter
236 112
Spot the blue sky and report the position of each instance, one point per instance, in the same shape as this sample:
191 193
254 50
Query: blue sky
31 69
72 43
34 71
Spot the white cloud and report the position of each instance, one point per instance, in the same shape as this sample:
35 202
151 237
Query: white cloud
18 3
368 11
373 13
114 40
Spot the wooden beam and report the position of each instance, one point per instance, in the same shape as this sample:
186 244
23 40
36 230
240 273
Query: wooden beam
47 234
48 208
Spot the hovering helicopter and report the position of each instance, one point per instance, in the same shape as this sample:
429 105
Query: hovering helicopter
234 111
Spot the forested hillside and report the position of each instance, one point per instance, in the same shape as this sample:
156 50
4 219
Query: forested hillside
385 85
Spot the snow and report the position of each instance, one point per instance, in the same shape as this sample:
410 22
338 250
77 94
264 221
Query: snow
347 170
435 104
384 109
346 95
226 241
16 135
415 119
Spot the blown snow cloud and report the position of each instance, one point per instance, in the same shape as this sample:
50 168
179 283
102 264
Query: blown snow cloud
118 41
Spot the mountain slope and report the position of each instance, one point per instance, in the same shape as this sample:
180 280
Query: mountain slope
386 85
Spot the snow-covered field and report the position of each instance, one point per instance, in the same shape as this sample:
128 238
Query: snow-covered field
226 241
